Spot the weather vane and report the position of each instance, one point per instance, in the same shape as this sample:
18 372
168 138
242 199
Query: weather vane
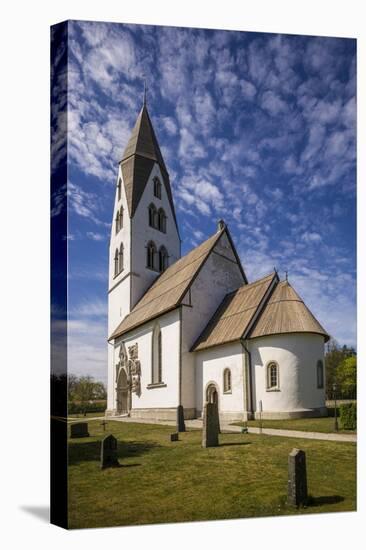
145 89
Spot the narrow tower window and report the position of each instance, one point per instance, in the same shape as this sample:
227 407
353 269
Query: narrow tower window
227 381
120 260
117 222
121 217
163 258
151 255
161 220
152 216
157 188
320 374
116 263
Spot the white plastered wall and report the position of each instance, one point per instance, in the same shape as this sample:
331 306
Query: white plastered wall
219 275
142 233
297 355
166 396
210 366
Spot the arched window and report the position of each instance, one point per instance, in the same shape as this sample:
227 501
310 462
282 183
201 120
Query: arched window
161 220
157 363
320 374
151 255
116 263
157 188
153 216
121 217
119 189
227 381
117 222
163 258
272 376
120 262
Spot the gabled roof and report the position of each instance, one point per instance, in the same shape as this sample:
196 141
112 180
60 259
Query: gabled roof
235 314
138 159
169 289
286 312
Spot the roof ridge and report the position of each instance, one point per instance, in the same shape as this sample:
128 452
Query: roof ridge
251 285
186 283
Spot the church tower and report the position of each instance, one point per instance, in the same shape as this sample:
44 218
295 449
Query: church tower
144 236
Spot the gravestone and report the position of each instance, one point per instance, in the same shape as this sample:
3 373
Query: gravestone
297 490
210 432
108 452
181 427
79 429
174 437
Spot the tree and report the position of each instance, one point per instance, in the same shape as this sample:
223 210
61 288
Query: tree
347 375
84 389
339 370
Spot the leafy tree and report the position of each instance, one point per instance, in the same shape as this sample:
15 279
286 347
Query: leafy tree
339 370
84 389
347 375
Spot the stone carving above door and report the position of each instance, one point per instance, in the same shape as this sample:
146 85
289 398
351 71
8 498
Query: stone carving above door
134 369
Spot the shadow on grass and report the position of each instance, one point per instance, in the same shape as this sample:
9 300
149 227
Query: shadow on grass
235 443
320 501
90 450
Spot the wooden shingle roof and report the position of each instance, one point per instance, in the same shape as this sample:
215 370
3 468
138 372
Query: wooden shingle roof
138 159
235 314
284 313
169 289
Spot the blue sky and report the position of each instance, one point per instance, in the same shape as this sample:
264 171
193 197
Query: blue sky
257 129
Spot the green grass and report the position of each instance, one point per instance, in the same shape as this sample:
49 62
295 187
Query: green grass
162 482
324 425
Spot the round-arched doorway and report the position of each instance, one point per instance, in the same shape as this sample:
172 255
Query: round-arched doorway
122 393
211 394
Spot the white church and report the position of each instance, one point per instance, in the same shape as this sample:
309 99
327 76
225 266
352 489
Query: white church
191 329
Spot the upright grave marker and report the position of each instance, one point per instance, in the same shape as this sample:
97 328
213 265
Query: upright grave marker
297 490
181 427
210 432
79 429
108 452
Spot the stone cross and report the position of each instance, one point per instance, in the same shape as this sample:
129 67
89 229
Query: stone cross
108 452
297 490
181 427
79 429
210 432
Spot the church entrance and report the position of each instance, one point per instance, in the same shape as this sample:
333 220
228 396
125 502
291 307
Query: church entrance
122 393
212 395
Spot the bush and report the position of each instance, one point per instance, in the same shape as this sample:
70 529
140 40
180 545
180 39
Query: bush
348 416
93 407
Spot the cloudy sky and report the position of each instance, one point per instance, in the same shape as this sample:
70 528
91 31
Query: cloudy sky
257 129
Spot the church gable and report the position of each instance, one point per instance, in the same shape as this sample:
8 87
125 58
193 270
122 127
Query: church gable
169 289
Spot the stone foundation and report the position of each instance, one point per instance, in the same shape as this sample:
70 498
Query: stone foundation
283 415
162 414
229 417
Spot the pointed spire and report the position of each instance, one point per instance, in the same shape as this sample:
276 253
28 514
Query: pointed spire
141 153
143 141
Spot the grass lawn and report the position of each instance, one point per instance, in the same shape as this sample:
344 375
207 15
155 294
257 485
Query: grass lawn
162 482
324 425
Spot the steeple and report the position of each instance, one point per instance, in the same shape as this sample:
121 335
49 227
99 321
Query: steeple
140 155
